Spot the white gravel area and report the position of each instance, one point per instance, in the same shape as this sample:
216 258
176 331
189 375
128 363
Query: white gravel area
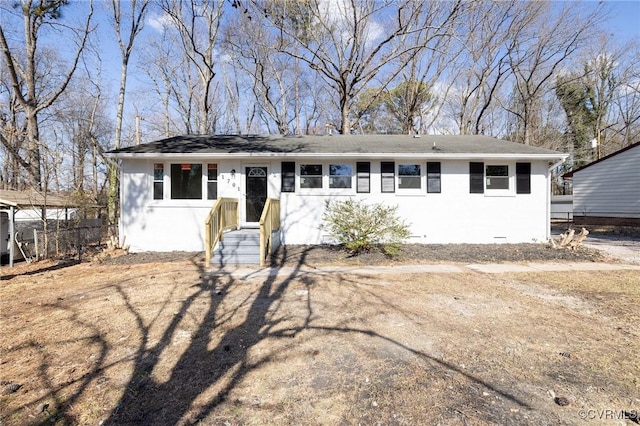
625 249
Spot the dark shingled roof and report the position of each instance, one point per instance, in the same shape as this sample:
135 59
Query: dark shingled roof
332 144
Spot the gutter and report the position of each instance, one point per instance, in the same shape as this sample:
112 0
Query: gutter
353 155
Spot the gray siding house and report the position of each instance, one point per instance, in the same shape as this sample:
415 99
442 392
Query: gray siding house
607 191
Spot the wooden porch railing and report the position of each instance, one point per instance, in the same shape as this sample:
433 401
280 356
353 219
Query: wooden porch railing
223 216
269 222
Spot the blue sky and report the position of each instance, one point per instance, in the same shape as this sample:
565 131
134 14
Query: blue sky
625 19
623 24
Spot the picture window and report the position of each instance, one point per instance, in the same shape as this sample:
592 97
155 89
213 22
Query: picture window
186 181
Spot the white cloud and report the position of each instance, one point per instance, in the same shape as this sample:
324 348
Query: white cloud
159 22
339 15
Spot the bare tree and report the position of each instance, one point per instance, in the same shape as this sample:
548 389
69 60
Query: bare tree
198 24
81 119
552 37
127 26
12 135
352 43
486 35
627 99
164 75
174 81
273 76
31 94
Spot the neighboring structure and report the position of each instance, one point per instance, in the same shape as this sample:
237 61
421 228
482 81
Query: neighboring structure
23 207
607 191
562 208
450 189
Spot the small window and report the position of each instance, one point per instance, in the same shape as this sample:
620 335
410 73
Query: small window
363 183
186 181
212 181
158 181
387 172
523 178
433 177
476 178
497 177
288 176
311 176
340 175
409 176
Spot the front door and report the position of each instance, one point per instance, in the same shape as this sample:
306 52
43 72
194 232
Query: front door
256 193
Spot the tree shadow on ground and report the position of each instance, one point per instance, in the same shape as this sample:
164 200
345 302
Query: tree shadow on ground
208 370
59 265
223 366
201 366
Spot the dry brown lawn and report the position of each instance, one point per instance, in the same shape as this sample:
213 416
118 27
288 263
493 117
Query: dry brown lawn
166 343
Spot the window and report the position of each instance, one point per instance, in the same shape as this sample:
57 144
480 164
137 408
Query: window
523 178
311 176
409 176
288 176
433 177
340 175
212 181
497 177
363 183
186 181
158 181
387 172
476 178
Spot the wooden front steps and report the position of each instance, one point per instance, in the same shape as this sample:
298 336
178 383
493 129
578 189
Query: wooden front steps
238 247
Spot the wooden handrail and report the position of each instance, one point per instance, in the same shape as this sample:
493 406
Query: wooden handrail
269 222
222 216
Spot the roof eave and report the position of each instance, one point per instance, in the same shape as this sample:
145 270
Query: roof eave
352 155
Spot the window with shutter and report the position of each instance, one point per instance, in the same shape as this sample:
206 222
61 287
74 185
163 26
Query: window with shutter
497 177
186 181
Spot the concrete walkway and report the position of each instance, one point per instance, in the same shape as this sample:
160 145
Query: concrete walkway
487 268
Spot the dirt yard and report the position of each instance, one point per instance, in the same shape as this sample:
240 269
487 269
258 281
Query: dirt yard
133 341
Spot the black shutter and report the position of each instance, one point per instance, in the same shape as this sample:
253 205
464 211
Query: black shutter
523 178
476 178
288 174
387 172
433 177
363 177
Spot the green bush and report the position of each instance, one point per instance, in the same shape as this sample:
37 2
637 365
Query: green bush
361 227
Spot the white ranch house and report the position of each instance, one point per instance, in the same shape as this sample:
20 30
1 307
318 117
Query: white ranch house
450 189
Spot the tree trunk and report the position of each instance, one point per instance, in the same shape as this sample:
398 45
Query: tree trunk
33 150
345 125
112 202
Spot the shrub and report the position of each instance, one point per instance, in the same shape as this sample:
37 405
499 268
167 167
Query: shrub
361 227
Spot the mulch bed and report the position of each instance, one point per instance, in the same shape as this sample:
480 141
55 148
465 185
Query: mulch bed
433 253
317 255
